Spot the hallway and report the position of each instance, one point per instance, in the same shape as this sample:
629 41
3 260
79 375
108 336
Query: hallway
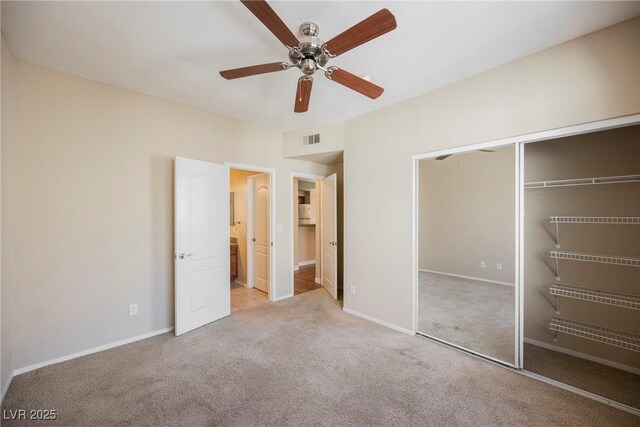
304 280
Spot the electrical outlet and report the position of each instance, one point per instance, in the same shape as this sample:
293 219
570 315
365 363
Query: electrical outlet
353 289
482 264
498 266
133 309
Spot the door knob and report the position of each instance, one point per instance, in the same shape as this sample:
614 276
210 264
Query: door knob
183 256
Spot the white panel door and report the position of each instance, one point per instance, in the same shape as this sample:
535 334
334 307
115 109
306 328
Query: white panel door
202 243
329 231
261 238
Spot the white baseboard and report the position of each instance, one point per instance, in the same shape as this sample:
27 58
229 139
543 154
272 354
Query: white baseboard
238 282
378 321
281 298
303 263
582 356
495 282
6 387
91 351
318 281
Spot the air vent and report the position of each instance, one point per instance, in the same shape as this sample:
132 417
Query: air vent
311 139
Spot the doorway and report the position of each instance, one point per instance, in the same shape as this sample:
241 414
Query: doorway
314 233
250 234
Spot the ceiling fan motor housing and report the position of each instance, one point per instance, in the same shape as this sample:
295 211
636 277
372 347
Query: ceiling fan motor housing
308 55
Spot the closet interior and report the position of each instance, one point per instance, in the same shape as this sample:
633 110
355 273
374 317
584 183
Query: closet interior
582 262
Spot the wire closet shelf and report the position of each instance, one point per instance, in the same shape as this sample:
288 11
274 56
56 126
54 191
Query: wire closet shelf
595 296
595 333
597 258
622 220
622 179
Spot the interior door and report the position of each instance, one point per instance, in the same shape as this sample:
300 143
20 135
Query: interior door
329 231
261 239
202 291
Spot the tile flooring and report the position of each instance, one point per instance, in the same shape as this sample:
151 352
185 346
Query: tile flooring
243 298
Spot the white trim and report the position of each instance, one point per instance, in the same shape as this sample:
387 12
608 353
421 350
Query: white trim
519 250
378 321
284 297
495 282
250 185
304 176
272 220
238 282
415 185
303 263
318 281
581 392
584 356
91 351
6 387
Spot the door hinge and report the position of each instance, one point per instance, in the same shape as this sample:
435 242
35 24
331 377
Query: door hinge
271 243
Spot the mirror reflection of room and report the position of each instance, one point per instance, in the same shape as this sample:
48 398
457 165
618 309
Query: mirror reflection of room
466 251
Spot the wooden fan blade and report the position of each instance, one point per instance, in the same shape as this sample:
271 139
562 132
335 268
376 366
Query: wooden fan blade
443 157
374 26
303 94
236 73
272 21
354 82
487 151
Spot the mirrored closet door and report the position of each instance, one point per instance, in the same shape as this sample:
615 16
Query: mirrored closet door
467 252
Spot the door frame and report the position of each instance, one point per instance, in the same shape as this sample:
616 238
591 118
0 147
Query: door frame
307 176
519 142
272 224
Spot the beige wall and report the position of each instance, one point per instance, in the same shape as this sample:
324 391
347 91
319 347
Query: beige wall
7 347
591 78
610 153
467 215
94 217
238 184
331 140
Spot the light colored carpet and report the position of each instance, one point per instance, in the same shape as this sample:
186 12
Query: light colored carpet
476 315
612 383
297 362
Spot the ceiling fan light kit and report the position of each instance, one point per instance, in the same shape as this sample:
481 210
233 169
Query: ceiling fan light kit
309 53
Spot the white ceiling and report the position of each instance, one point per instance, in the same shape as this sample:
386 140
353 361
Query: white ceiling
174 50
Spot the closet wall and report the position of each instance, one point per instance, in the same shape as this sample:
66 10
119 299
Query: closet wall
608 153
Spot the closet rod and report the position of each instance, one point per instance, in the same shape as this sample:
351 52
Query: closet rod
596 296
595 333
583 181
602 259
595 220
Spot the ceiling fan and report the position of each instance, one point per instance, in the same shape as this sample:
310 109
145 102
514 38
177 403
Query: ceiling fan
308 53
449 155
